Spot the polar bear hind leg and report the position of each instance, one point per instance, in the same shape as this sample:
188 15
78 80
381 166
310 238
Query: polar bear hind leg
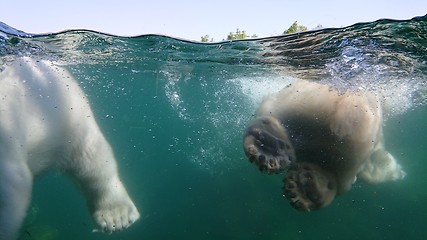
381 167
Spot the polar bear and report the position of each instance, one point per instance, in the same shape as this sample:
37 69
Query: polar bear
46 123
324 139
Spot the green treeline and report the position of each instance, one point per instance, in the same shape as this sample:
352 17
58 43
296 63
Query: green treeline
241 34
294 28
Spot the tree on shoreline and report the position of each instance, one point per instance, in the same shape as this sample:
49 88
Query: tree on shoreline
294 28
241 34
237 35
206 38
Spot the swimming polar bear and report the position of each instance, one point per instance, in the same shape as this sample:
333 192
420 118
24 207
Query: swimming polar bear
45 123
323 139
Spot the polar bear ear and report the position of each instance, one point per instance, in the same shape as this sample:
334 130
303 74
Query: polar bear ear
309 187
381 167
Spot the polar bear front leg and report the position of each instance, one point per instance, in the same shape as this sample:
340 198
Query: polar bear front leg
112 209
15 193
95 171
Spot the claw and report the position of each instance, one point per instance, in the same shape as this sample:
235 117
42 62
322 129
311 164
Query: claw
266 144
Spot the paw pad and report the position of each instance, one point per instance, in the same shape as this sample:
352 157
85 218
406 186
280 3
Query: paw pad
267 146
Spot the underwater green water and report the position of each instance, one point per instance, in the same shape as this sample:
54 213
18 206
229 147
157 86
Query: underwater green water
174 112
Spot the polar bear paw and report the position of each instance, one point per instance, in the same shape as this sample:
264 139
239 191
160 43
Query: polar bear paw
267 145
116 216
308 187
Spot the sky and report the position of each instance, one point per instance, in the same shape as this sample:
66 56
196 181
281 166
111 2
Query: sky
191 19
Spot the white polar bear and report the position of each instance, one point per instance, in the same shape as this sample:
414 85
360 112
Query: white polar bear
46 123
323 139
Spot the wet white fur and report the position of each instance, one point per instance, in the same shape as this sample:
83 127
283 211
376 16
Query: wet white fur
46 123
355 117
